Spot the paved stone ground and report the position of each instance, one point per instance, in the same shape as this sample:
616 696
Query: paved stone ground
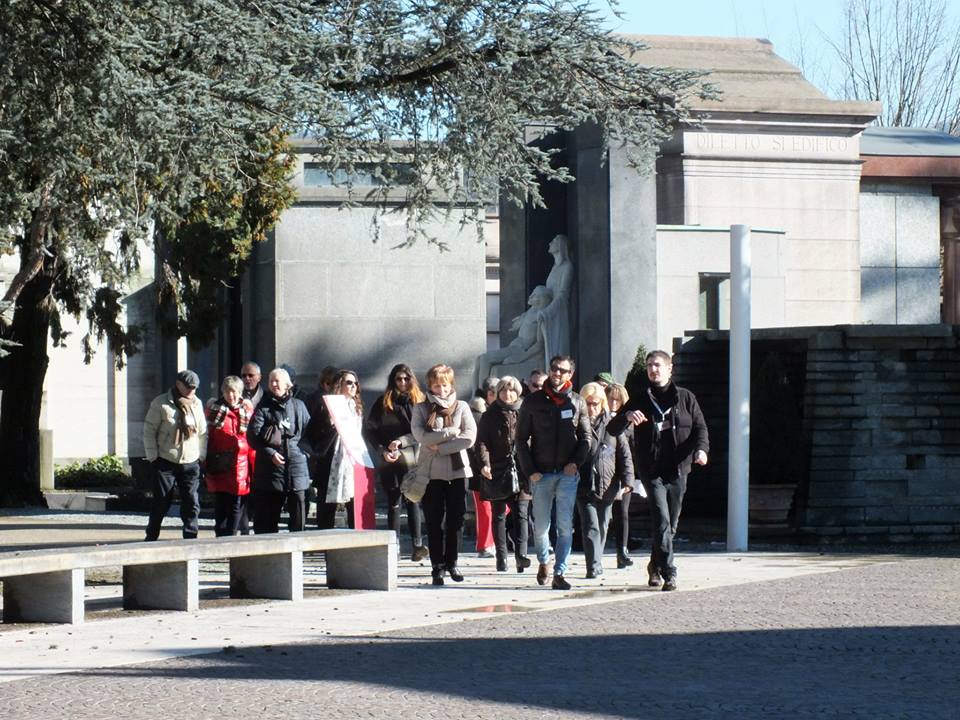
879 641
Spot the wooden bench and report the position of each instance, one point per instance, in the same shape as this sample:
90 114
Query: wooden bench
48 585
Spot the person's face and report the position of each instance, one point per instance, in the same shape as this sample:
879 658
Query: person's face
250 376
535 382
491 395
560 372
441 389
614 402
232 396
594 406
659 371
554 245
348 386
402 382
185 390
508 395
278 385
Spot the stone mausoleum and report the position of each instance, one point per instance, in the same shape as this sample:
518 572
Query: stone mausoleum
849 226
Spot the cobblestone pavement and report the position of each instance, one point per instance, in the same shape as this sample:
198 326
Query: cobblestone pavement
877 641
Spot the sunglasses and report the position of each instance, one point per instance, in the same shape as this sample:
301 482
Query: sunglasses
561 370
594 403
248 375
349 382
401 378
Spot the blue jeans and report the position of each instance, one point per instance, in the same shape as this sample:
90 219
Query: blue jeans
563 489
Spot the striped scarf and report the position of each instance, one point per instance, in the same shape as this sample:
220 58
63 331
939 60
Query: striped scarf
219 412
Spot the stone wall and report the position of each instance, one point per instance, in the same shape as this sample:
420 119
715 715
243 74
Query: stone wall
879 445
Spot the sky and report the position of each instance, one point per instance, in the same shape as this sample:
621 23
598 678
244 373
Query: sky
797 29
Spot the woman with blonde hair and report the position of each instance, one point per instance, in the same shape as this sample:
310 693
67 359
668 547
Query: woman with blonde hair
445 429
617 397
228 466
387 430
607 469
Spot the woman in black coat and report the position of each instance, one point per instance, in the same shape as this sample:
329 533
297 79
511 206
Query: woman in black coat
387 431
496 453
607 469
280 476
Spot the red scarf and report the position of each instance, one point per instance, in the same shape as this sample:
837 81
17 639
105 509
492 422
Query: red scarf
561 395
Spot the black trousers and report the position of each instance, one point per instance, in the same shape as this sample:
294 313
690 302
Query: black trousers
621 522
444 505
390 478
186 479
327 514
519 528
229 514
268 504
666 501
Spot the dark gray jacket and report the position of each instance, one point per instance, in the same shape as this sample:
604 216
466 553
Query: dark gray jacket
289 416
608 467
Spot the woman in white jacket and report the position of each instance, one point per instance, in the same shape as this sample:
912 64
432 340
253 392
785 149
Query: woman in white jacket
445 428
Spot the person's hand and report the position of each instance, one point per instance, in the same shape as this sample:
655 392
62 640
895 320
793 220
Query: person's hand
636 417
625 489
570 469
393 446
700 458
278 460
485 471
391 456
535 477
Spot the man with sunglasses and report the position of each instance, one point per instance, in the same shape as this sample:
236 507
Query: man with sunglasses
252 390
553 440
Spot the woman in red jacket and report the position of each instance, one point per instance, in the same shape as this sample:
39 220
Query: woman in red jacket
228 463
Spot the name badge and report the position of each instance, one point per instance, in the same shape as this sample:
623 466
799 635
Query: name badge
566 414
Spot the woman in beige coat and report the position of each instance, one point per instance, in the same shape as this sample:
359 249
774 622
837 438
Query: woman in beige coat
445 428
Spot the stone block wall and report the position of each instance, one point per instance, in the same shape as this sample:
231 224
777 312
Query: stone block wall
882 411
880 439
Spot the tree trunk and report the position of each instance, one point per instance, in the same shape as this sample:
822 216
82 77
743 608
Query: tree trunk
23 373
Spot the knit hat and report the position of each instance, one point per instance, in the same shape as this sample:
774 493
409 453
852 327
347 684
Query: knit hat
189 378
605 377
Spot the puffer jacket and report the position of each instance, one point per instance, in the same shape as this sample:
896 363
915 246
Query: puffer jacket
550 436
450 461
291 416
609 466
160 431
228 438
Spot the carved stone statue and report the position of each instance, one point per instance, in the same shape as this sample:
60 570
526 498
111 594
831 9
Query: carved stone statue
556 316
527 350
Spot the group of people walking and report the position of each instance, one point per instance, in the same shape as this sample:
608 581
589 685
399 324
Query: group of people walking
534 453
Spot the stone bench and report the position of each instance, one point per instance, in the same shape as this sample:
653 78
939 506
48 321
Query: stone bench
48 585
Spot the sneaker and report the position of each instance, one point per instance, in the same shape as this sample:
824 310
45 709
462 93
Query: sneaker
485 554
420 552
559 583
543 572
669 584
653 576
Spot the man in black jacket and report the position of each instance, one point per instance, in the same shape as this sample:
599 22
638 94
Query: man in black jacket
553 440
669 435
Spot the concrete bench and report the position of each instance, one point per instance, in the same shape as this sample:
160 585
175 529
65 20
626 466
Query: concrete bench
48 585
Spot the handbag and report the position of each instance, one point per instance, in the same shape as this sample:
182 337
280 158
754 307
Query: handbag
222 462
507 484
413 485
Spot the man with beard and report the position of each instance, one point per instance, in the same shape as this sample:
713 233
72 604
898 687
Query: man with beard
552 442
669 435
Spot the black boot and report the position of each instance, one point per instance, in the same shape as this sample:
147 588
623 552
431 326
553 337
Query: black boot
623 559
437 574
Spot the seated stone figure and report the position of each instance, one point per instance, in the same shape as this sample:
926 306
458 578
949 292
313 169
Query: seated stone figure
528 348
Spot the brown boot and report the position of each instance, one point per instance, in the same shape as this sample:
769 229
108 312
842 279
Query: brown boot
543 574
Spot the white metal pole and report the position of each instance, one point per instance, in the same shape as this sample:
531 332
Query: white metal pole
738 496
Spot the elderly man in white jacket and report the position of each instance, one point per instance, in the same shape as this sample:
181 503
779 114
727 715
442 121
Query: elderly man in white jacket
175 441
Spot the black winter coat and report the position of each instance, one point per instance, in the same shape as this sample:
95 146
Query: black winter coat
609 466
291 417
383 426
497 440
687 425
551 436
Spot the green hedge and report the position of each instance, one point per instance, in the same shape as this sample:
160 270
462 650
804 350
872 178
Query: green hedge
106 471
